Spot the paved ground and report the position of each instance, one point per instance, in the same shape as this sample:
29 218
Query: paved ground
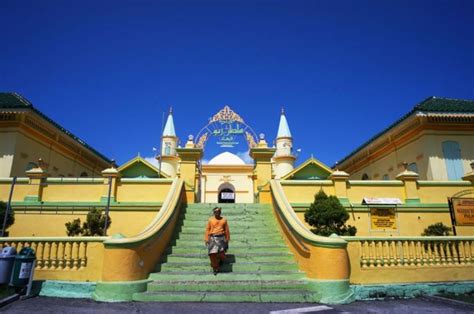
56 305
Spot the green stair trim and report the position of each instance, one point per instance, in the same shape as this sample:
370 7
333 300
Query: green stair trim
67 289
410 290
228 296
332 291
119 291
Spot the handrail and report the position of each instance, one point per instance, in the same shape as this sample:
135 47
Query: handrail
160 220
56 239
294 223
409 238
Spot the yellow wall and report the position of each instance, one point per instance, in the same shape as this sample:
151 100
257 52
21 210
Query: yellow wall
30 150
305 193
408 223
72 192
52 224
411 221
7 152
356 193
426 150
30 220
142 192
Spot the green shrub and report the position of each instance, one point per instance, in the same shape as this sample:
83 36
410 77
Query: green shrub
73 228
93 226
437 229
328 216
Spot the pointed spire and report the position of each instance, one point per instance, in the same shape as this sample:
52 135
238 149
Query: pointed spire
283 129
169 126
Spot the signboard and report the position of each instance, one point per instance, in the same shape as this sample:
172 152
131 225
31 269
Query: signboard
383 219
227 195
227 133
227 127
381 200
463 211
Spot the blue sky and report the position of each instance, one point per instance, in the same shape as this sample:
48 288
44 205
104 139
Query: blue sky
343 70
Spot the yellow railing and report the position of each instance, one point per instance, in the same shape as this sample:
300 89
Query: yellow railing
411 259
59 254
416 252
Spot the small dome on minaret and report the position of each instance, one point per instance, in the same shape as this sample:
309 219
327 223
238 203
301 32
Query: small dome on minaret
169 126
283 128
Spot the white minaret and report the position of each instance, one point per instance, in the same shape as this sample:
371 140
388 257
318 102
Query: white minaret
283 158
169 141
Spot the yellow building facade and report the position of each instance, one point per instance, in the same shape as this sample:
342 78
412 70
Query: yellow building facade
147 202
27 135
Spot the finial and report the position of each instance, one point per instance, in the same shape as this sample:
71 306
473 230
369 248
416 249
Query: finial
405 165
262 136
282 110
138 154
112 163
190 137
337 166
171 110
312 157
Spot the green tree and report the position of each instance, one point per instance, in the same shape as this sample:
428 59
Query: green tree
328 216
10 217
437 229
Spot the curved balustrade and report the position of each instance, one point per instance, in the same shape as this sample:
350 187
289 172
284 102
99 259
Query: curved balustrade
324 259
135 257
294 223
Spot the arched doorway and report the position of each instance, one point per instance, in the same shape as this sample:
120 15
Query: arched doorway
226 193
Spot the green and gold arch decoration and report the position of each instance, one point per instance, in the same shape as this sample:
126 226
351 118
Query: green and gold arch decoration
228 127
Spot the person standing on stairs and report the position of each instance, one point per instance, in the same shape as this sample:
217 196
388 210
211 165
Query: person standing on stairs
216 238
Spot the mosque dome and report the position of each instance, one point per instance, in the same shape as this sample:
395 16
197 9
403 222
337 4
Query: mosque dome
226 158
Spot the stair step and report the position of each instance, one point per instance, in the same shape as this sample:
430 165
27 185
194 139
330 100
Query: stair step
235 237
196 258
233 225
234 243
239 276
231 211
228 296
227 285
228 268
232 250
262 232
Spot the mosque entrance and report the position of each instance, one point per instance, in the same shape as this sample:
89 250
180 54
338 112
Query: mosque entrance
226 193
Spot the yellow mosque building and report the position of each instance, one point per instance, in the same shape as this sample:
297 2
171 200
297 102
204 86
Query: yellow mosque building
417 172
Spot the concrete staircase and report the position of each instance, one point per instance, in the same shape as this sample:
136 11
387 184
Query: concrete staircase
259 266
